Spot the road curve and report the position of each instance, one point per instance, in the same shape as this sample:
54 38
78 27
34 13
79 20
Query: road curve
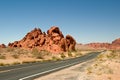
33 70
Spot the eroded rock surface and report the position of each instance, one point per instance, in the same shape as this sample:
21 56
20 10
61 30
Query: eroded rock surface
2 46
53 41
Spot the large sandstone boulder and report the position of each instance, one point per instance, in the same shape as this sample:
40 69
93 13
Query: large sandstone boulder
53 41
2 46
70 43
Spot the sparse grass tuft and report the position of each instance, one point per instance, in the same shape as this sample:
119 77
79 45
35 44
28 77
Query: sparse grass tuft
69 53
36 54
16 56
8 49
101 66
2 64
63 55
55 58
15 63
39 54
89 70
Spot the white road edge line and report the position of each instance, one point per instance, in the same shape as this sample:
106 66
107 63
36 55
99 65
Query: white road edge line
48 71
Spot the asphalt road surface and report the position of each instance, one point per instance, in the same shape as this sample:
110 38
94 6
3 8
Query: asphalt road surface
34 70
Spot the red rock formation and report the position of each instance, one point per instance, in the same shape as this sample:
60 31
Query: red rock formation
116 42
115 45
70 43
99 45
2 46
53 41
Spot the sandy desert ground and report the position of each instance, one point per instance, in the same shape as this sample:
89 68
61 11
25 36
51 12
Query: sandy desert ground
105 67
13 56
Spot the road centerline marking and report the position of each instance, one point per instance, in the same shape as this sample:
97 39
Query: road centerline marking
2 71
48 71
52 69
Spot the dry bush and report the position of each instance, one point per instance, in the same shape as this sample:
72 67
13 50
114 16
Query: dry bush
2 56
99 67
15 63
54 58
33 61
40 54
2 64
16 56
8 49
62 55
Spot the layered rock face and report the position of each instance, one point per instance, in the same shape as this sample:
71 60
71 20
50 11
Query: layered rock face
115 45
2 46
52 41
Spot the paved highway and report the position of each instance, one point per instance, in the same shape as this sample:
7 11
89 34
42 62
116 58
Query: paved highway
34 70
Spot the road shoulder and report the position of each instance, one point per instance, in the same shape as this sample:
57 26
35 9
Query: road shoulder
105 66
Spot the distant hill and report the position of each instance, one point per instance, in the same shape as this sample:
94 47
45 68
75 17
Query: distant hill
115 45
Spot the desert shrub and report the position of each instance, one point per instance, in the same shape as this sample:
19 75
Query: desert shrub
89 70
36 53
25 61
16 56
55 58
109 55
70 53
21 51
16 50
8 49
95 65
39 54
113 54
2 57
100 57
3 64
29 61
63 55
45 52
15 63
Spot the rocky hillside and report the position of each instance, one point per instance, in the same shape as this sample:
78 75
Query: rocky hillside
99 45
52 41
114 45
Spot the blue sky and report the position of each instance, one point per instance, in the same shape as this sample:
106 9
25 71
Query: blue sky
86 20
